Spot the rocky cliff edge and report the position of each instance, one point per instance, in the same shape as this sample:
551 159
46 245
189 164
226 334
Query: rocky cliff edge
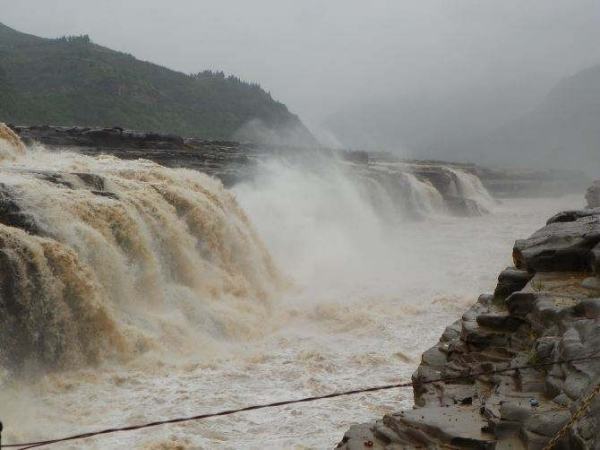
544 310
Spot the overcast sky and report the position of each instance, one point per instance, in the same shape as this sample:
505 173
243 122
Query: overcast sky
319 55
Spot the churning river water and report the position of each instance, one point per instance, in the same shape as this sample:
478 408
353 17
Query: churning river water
358 303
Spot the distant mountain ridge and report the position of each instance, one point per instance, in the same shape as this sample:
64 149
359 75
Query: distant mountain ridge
555 127
562 131
428 123
72 81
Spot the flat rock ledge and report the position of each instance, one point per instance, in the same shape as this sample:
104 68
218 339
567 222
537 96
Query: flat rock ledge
544 309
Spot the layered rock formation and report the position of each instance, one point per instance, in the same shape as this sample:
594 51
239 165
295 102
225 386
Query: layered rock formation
222 159
545 309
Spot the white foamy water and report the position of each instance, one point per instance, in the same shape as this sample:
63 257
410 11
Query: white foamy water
470 186
365 296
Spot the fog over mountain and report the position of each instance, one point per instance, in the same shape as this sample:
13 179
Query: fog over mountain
416 77
560 132
72 81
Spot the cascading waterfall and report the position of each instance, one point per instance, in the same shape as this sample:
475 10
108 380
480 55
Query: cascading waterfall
10 144
423 195
469 186
157 279
397 194
102 257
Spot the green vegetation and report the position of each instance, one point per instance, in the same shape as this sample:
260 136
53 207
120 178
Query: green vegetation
72 81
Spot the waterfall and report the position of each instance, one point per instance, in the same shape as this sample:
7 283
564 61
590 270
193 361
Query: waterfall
424 196
104 258
10 145
469 186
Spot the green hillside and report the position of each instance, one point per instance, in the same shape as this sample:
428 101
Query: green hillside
72 81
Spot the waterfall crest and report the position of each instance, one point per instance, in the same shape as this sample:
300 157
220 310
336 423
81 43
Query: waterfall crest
102 257
469 186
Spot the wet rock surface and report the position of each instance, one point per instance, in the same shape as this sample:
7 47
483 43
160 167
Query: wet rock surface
222 159
560 246
544 310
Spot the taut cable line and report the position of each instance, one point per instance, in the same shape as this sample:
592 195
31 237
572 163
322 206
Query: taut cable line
227 412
